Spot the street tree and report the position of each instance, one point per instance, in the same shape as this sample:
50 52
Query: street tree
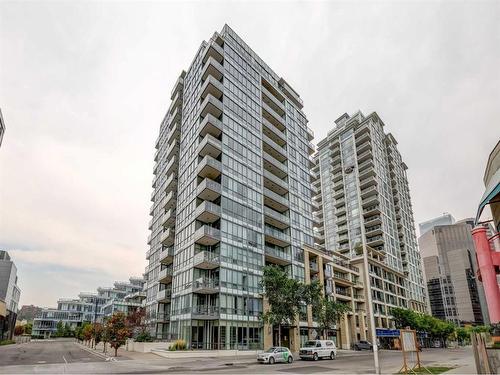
330 313
117 331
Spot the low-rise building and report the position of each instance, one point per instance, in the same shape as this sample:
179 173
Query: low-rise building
90 307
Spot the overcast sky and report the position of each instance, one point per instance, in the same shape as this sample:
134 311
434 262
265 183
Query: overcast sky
84 87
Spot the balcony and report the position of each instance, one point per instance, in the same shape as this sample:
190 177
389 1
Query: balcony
211 105
213 87
275 201
340 203
373 230
207 212
365 165
275 218
172 165
168 218
365 156
206 286
205 312
209 168
173 149
341 219
179 84
335 150
274 166
273 102
270 115
277 256
273 149
176 102
369 191
209 146
215 51
171 183
310 134
364 146
210 125
375 241
207 236
206 260
276 237
174 132
372 210
165 275
370 201
212 68
170 200
167 237
275 184
369 181
167 255
163 317
208 190
273 132
372 220
164 296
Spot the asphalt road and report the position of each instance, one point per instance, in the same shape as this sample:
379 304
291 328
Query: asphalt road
45 352
68 357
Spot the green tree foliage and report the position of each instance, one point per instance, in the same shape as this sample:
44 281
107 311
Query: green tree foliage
330 314
284 295
87 333
28 328
60 329
97 333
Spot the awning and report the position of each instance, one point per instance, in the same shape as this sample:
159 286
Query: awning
492 190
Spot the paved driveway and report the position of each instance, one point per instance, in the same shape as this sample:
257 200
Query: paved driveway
45 352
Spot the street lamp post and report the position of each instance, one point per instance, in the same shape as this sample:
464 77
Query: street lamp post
369 310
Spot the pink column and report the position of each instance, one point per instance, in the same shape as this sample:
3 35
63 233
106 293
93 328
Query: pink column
488 274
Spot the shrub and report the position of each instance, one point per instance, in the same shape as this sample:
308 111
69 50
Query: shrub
7 342
178 345
144 337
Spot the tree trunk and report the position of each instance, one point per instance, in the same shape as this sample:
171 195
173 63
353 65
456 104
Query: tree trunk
104 349
116 351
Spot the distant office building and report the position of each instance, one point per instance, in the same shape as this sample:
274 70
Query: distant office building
232 193
9 296
363 201
488 258
2 127
90 307
450 264
445 219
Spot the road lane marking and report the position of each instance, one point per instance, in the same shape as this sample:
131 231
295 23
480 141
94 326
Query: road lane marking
65 359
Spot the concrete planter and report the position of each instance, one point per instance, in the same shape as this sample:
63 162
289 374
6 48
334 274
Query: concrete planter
146 347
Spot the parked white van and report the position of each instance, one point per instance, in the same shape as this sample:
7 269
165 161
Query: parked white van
315 349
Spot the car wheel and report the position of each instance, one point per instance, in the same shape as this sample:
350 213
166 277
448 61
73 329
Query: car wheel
315 356
271 360
290 359
332 355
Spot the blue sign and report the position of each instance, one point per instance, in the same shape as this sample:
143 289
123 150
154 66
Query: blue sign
384 332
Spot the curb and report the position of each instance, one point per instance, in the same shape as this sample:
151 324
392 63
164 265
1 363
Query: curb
96 353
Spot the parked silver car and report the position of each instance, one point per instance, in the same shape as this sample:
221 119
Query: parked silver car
275 354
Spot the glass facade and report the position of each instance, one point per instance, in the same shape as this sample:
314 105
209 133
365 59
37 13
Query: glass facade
243 198
365 201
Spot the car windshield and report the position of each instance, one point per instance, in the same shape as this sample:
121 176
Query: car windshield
310 344
270 350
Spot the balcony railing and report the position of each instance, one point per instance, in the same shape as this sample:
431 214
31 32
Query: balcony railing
269 231
208 190
278 256
206 260
278 219
206 235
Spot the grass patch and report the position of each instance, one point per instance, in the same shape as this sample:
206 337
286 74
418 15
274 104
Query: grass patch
7 342
431 370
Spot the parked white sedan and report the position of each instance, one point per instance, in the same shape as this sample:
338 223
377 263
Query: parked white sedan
275 354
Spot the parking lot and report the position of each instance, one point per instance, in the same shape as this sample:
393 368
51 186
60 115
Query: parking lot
66 356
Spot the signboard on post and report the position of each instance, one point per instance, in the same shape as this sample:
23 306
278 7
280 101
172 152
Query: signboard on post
409 346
